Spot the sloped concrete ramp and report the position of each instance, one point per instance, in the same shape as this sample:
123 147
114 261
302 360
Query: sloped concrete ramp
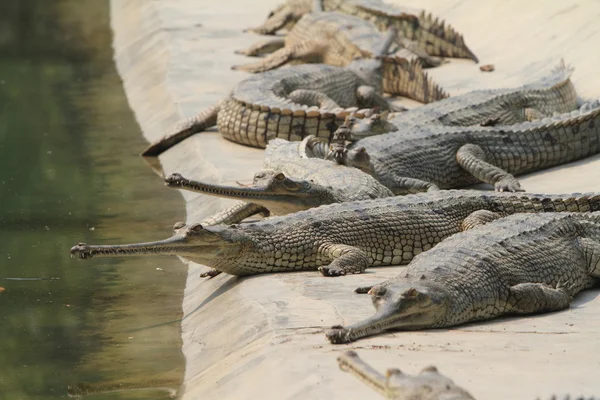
262 337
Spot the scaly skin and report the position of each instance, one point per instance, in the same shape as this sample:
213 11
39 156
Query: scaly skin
420 158
290 103
431 34
520 264
315 182
339 238
428 385
338 39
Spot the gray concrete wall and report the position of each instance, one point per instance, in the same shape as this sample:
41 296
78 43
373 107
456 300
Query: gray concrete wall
262 337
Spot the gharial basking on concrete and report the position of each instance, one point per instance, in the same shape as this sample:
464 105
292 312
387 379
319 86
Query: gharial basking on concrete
341 238
429 384
291 181
290 103
431 34
430 157
519 264
339 39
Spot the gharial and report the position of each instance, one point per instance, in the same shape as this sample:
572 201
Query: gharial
306 180
339 238
431 34
338 39
519 264
429 384
291 180
429 157
290 103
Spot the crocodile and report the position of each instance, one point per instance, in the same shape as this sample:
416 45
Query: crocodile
291 182
338 39
339 238
429 384
290 103
430 157
518 264
430 33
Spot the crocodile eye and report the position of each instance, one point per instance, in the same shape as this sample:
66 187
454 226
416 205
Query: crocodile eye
259 175
280 177
178 225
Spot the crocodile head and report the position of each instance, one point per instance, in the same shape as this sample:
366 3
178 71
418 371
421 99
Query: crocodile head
198 243
400 305
355 129
270 189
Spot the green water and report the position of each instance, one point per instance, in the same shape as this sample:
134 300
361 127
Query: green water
69 172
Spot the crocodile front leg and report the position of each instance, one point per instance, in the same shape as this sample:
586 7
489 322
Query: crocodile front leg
405 185
232 215
312 98
345 259
529 298
185 129
479 217
263 47
307 51
472 159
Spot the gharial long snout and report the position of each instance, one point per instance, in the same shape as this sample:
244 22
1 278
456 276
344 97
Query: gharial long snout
82 251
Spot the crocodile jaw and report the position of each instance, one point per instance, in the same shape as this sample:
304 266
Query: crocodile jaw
189 241
423 308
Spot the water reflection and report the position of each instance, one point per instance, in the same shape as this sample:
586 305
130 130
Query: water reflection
69 172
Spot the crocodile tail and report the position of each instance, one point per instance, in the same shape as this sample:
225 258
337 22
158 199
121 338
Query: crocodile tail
442 40
198 123
409 79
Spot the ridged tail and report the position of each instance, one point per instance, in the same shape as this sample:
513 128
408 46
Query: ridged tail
183 130
407 78
442 40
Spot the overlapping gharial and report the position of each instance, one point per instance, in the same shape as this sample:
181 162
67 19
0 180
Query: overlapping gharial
350 181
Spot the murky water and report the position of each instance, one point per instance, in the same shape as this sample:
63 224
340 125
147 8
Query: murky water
69 172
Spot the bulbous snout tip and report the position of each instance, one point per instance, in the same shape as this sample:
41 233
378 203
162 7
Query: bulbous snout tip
338 335
174 179
80 250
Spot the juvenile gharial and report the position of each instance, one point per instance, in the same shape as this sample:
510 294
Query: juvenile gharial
290 103
338 39
431 34
339 238
429 157
291 182
519 264
429 384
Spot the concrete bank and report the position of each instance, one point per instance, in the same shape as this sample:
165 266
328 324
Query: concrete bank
262 337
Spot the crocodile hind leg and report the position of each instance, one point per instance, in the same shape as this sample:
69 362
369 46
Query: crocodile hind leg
312 98
529 298
280 17
479 217
306 51
183 130
591 251
263 47
346 259
472 159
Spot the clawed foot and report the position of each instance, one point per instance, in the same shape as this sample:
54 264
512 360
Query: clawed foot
338 335
210 274
508 185
332 271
